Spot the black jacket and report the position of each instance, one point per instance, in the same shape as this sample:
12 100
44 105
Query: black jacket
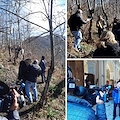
32 72
21 74
43 65
112 51
75 22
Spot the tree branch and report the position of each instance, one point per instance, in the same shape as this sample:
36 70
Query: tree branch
24 19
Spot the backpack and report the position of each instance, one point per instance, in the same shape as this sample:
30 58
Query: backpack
22 66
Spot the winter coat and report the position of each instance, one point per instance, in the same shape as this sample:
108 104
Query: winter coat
111 51
32 72
43 65
116 95
21 74
75 22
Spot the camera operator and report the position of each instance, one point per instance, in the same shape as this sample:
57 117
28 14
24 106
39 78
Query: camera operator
13 113
76 103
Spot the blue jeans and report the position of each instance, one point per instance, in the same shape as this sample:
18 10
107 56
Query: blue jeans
114 111
32 85
101 112
78 38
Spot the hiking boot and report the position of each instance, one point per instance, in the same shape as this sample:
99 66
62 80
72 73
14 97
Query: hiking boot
29 102
34 100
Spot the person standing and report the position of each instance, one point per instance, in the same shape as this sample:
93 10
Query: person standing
75 23
100 108
116 98
101 25
43 64
116 29
32 71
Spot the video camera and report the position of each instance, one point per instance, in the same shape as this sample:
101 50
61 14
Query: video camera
104 90
6 97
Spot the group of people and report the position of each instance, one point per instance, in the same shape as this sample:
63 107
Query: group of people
108 43
76 103
29 72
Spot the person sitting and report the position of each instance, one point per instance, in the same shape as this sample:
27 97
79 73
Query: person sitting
107 46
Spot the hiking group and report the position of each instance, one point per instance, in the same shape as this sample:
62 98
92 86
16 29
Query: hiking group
28 73
108 43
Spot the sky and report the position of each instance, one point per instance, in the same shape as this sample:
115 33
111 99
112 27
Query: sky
40 19
62 2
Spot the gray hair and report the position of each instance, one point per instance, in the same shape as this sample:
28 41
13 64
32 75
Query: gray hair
35 61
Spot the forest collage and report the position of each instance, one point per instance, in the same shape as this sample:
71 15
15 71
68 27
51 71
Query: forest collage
59 60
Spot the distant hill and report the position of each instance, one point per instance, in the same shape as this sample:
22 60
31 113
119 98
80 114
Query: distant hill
39 46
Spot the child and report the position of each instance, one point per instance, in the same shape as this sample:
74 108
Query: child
116 98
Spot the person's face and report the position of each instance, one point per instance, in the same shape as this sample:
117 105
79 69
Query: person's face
80 13
118 85
99 17
89 83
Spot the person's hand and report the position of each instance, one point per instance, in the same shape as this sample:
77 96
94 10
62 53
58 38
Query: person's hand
98 101
14 106
88 19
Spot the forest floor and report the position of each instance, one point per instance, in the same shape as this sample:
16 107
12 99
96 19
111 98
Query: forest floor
87 46
54 108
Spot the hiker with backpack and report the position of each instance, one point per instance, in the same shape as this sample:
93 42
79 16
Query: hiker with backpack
75 23
43 64
32 71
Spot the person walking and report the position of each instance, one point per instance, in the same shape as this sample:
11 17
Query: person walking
75 23
33 71
116 98
43 64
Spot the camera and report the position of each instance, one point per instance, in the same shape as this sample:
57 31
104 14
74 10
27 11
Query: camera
105 91
6 97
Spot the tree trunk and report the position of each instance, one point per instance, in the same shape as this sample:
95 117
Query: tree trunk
51 69
103 8
91 12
